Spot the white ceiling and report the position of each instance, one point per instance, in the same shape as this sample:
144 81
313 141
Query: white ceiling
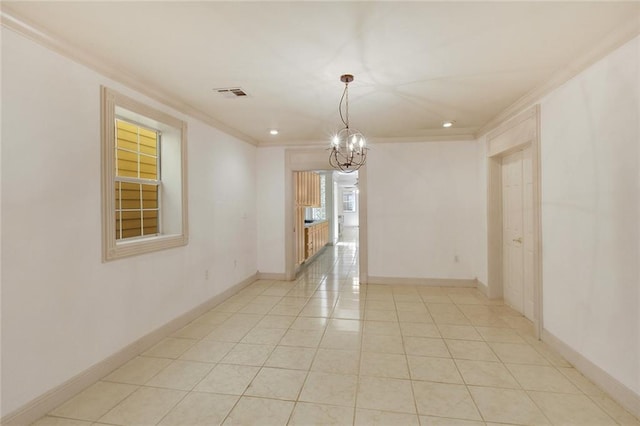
415 63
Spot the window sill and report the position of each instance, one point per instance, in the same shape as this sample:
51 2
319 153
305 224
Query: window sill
144 245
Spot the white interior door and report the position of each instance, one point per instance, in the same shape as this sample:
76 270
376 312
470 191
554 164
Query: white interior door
517 220
527 223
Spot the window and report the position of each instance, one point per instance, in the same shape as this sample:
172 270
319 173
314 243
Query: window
137 180
320 213
349 201
143 178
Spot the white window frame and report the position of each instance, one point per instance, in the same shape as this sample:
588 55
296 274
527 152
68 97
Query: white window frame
320 213
115 249
352 195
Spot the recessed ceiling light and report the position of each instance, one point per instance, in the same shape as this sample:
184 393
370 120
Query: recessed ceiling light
273 132
447 124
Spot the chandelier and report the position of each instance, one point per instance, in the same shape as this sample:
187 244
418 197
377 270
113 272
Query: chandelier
348 146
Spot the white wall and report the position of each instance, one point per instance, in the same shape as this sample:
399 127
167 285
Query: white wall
423 206
63 310
1 245
590 213
481 248
271 255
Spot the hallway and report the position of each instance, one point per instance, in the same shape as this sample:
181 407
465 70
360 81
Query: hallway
326 350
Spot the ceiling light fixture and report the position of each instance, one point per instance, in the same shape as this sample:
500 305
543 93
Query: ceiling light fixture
348 146
274 132
447 124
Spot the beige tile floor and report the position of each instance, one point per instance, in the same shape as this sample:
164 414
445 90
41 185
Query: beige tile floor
325 350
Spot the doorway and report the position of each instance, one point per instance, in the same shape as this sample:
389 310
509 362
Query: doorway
517 231
326 215
513 215
347 201
317 159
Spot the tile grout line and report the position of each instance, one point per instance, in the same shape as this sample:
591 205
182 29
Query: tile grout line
330 286
355 399
257 372
501 361
308 372
317 348
595 401
200 381
218 363
406 356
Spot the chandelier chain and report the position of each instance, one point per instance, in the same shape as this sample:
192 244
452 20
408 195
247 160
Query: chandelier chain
345 93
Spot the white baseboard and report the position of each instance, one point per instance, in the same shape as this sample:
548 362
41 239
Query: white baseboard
616 390
272 276
308 261
46 402
432 282
484 289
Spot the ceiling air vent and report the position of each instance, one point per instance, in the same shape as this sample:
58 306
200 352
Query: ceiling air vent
231 92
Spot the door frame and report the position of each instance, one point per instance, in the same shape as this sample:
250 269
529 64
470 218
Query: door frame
305 159
511 136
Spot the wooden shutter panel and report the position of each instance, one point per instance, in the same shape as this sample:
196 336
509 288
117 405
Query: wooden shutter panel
136 202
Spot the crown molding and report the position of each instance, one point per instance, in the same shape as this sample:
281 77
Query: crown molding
19 25
608 44
426 138
11 20
373 140
309 143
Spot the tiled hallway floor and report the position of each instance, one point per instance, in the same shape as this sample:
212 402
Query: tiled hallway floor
326 350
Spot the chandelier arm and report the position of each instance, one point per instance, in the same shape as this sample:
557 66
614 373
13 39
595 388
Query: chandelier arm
334 162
